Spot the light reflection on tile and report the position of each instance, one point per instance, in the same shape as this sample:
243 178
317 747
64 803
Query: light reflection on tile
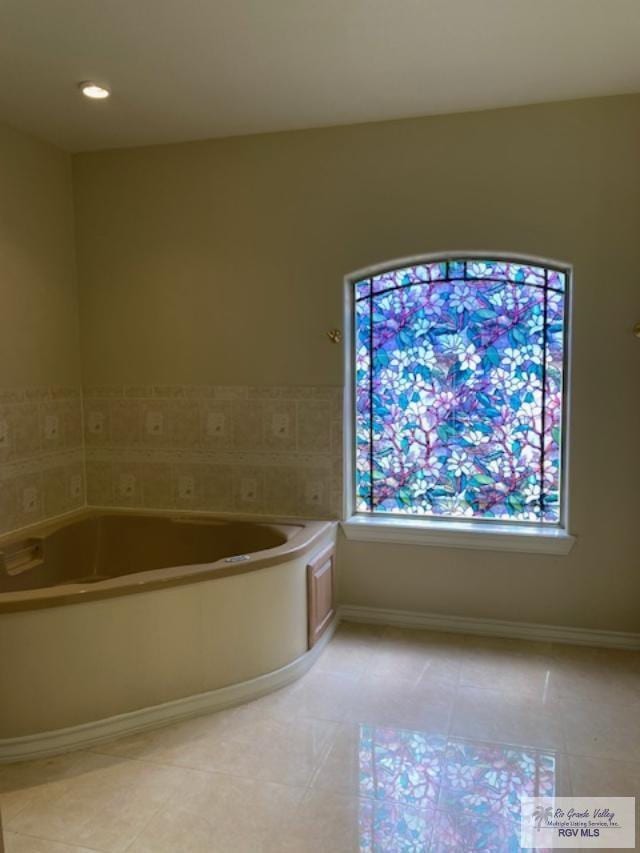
400 766
488 780
461 795
387 826
456 832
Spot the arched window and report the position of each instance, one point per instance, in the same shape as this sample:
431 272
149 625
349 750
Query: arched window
458 399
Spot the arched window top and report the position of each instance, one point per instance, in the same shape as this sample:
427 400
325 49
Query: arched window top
463 269
459 389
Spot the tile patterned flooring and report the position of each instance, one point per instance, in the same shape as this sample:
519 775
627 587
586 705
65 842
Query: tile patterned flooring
396 740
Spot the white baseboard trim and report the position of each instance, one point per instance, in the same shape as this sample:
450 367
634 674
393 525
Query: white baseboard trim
44 744
489 627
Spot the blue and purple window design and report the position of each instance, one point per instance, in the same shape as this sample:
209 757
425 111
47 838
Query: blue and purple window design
459 380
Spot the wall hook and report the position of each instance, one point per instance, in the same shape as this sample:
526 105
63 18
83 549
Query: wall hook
334 335
636 330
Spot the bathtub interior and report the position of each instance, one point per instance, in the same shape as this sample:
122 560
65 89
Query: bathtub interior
110 546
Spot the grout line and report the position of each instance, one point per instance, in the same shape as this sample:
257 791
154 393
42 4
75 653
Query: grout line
54 840
147 823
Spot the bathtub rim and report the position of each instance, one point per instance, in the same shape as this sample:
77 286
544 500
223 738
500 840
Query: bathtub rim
297 545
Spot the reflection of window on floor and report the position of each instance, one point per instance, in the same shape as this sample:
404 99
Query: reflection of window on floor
458 380
414 785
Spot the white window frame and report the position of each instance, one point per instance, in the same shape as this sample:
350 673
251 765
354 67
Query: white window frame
452 533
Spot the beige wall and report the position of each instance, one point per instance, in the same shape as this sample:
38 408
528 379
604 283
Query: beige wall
39 340
41 459
222 262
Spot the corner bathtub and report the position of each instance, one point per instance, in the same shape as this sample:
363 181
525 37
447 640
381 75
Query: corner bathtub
112 622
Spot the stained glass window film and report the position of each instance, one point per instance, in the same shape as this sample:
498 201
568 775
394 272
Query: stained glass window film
459 379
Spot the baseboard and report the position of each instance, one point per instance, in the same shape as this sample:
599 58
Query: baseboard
490 627
44 744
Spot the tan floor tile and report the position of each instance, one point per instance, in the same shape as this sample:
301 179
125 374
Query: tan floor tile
405 653
104 806
506 717
330 823
604 676
432 644
340 770
619 660
174 829
380 701
322 695
214 812
429 705
407 703
600 730
409 654
507 646
409 663
354 659
33 782
445 654
359 632
286 751
351 650
601 777
232 800
323 823
515 665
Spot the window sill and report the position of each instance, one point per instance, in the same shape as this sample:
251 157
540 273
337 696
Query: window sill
459 534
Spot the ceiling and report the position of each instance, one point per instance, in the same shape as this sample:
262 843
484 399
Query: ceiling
191 69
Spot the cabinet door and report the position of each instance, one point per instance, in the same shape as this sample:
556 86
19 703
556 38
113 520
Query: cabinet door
320 593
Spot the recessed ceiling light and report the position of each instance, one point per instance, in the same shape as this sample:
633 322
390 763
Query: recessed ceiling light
94 91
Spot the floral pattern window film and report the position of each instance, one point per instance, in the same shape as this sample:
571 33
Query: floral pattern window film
459 374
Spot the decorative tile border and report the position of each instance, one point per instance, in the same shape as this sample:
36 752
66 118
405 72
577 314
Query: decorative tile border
213 457
220 392
42 462
272 490
39 393
239 419
270 450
